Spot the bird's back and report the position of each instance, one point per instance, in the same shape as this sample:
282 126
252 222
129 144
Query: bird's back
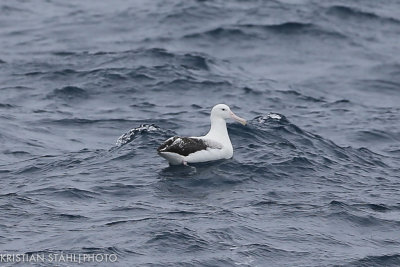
183 146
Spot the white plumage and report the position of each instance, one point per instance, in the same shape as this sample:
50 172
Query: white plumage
215 145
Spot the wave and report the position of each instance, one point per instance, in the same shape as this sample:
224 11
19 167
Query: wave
69 93
377 136
361 206
316 147
185 240
240 31
64 193
286 26
379 86
191 84
269 144
358 220
6 106
386 260
301 96
220 32
67 217
263 251
119 70
12 10
132 134
127 221
151 57
65 53
80 121
347 11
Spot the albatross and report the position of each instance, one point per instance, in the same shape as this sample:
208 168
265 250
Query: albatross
214 145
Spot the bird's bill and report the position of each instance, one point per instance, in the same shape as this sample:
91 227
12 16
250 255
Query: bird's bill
238 119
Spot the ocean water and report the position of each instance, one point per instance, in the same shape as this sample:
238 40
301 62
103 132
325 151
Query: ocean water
314 180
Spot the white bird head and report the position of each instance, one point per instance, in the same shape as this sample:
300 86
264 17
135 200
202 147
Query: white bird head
224 112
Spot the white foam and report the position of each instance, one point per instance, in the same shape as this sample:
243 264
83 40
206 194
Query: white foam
274 116
127 137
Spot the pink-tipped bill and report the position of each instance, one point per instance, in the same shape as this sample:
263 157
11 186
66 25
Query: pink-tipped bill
237 118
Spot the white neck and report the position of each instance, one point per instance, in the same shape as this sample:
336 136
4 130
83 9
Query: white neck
219 133
218 130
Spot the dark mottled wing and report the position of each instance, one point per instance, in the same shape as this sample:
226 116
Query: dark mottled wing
167 143
183 145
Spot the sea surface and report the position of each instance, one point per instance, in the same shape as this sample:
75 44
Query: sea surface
315 176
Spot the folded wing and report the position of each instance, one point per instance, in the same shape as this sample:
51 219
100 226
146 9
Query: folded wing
185 146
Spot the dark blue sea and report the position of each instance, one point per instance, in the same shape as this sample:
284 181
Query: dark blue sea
315 176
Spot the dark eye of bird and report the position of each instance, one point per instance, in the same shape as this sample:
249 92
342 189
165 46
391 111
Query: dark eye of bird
223 109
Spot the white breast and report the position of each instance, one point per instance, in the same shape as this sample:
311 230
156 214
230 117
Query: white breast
209 154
